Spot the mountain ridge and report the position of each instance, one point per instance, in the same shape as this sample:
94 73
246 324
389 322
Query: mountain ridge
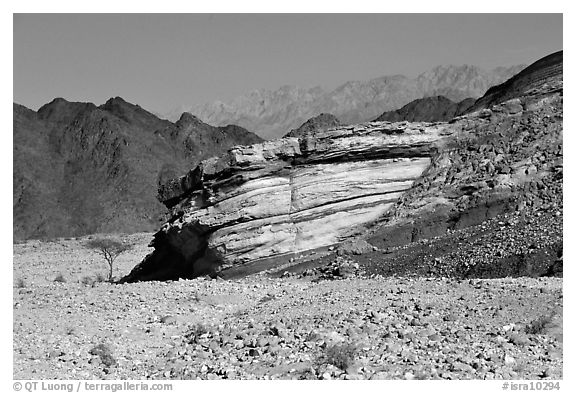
81 168
428 109
273 113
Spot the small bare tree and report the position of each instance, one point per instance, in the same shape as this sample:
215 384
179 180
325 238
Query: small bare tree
110 249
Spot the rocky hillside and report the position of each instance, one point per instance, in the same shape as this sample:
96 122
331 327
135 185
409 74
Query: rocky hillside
258 206
80 169
429 109
502 178
272 113
539 75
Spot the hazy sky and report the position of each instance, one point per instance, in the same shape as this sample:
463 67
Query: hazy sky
163 61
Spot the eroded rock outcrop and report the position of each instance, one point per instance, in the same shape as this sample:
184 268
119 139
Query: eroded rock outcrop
391 183
286 196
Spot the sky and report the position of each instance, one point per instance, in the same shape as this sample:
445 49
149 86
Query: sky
168 61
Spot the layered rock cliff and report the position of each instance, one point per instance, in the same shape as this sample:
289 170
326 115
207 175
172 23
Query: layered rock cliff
286 196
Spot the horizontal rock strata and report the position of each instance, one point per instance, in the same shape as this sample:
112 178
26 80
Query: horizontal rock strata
286 196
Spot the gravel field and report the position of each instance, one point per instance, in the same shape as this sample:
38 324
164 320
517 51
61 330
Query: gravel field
68 326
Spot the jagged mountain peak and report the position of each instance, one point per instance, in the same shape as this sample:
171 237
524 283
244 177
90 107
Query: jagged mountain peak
132 113
188 119
63 111
272 113
118 104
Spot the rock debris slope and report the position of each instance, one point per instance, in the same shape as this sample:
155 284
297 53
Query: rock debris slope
505 158
286 196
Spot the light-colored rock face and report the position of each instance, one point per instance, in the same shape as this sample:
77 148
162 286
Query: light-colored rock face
316 206
290 195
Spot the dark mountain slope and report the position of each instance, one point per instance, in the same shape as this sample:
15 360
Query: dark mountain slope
321 122
61 111
36 172
430 109
196 140
547 70
201 139
133 114
81 169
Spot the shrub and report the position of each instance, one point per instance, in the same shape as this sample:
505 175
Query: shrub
59 278
110 249
194 333
92 280
339 355
104 353
99 277
20 283
537 326
267 298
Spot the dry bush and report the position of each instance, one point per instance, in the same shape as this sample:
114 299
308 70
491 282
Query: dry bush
339 355
105 354
93 280
99 277
59 278
195 332
87 280
537 326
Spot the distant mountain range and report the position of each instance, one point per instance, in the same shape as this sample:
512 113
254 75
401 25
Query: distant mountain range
81 168
273 113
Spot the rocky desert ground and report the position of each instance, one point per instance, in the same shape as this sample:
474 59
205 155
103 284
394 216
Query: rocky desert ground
68 324
378 250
